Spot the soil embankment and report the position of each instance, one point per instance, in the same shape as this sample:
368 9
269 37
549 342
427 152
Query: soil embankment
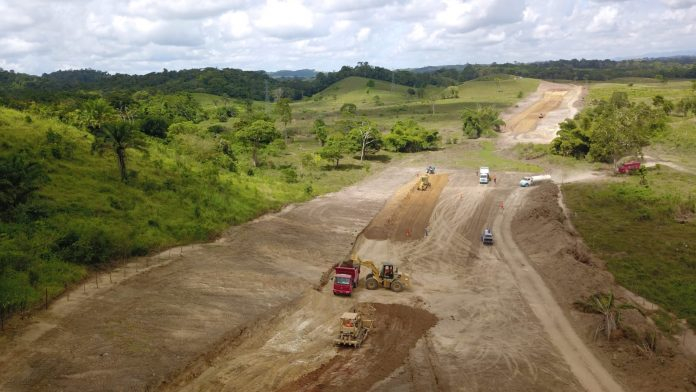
136 333
572 273
406 215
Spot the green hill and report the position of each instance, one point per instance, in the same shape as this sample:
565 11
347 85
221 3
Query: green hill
395 101
180 191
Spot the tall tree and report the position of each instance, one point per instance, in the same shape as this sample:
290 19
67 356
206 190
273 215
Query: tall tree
19 178
320 131
366 138
95 113
256 136
476 122
284 112
337 145
119 137
623 131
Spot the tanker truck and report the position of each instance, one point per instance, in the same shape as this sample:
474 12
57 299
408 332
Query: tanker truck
531 180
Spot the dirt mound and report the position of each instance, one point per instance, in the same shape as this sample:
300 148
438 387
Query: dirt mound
397 329
407 214
565 263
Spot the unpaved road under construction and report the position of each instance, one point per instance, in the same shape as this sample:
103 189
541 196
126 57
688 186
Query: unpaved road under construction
248 312
244 313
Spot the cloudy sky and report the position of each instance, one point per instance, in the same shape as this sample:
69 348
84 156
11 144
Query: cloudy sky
140 36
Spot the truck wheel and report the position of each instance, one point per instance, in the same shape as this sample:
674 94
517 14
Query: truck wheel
397 286
371 284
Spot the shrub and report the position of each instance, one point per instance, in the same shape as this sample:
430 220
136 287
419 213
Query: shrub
85 246
217 128
409 136
20 177
289 174
154 126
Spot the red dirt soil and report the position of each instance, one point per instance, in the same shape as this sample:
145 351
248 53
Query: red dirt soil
397 329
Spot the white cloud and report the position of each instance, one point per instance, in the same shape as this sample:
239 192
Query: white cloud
363 34
15 45
140 36
235 24
604 20
529 15
286 19
679 3
417 33
465 16
182 9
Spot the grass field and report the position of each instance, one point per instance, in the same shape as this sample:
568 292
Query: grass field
646 235
641 91
678 142
396 103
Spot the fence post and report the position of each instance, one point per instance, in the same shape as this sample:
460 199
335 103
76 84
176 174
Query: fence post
96 279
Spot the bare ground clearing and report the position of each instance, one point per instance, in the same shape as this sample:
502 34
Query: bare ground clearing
140 332
554 100
242 314
405 216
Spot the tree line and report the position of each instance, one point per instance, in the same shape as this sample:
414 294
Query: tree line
18 89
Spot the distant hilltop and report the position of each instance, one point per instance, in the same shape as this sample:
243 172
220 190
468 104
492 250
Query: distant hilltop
287 74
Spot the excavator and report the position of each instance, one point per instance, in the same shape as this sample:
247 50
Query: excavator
388 276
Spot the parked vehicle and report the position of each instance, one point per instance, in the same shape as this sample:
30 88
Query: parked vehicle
628 167
484 175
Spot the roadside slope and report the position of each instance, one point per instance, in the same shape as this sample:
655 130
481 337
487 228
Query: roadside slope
589 371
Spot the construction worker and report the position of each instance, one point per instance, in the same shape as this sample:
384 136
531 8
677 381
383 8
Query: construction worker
494 180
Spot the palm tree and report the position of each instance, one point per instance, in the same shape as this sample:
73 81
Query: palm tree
605 305
119 137
96 112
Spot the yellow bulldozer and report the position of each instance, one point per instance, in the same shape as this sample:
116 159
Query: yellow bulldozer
353 329
423 183
388 276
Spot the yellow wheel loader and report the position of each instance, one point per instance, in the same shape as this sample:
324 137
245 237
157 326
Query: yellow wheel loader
388 276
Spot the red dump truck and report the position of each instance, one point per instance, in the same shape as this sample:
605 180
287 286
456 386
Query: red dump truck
628 167
346 279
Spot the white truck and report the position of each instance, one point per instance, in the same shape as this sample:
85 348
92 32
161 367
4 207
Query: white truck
484 175
531 180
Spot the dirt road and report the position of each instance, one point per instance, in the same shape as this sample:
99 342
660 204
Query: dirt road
247 313
535 119
486 337
589 371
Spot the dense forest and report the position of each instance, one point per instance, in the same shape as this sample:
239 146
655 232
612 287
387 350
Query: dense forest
18 89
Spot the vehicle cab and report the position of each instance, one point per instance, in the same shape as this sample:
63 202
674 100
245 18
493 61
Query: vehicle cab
343 284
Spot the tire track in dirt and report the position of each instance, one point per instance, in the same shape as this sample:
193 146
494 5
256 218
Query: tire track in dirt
588 370
406 215
487 337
